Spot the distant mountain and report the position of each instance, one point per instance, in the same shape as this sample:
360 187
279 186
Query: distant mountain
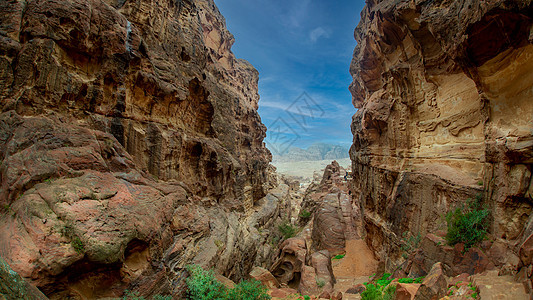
318 151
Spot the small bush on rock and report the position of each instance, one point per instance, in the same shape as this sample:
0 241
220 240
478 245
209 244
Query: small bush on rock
287 230
468 225
305 214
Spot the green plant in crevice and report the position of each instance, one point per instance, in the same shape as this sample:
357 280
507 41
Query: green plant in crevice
411 280
305 214
274 240
338 256
76 242
287 230
410 242
467 224
320 282
406 280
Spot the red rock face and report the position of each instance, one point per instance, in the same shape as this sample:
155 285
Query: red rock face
443 90
130 146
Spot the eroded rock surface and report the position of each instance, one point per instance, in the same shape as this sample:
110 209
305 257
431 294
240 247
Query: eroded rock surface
130 146
444 92
332 215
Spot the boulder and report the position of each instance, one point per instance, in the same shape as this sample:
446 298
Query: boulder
265 277
434 285
308 282
290 261
357 289
321 261
406 291
282 292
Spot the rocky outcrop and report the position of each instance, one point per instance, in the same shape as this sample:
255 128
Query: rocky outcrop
130 146
328 208
443 93
89 218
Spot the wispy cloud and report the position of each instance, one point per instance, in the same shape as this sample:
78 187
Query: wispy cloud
297 13
299 46
317 33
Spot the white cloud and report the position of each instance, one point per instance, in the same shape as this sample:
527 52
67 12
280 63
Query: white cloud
317 33
297 13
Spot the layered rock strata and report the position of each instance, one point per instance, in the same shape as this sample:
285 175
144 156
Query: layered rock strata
130 146
443 91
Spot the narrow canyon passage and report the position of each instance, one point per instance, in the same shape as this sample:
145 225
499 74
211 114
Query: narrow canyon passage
382 149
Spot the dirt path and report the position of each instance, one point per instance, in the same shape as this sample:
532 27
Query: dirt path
355 268
358 261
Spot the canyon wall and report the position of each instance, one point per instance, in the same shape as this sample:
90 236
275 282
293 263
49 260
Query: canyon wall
443 91
130 146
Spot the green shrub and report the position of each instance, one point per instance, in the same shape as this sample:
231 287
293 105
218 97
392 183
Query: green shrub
202 285
320 282
77 244
468 225
129 295
160 297
307 297
406 280
305 214
339 256
380 290
384 280
287 230
248 290
389 292
372 292
419 279
410 242
411 280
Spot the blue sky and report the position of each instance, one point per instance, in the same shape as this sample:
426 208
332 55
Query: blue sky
303 50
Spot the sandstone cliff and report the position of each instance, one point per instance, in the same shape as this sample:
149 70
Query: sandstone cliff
130 145
444 93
